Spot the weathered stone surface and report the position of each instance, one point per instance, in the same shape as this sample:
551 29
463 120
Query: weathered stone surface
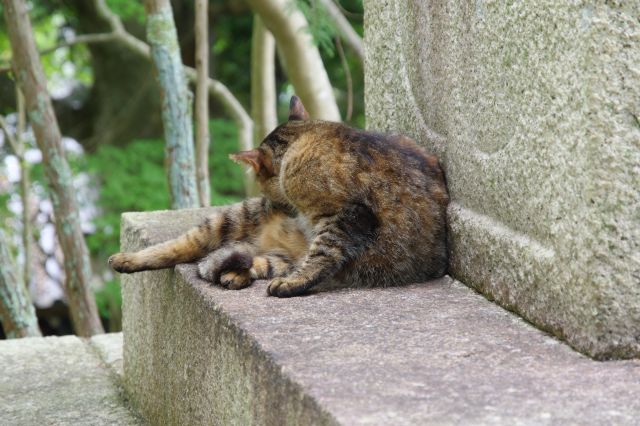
59 381
109 348
534 108
433 353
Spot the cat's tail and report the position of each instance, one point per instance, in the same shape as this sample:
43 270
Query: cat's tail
230 223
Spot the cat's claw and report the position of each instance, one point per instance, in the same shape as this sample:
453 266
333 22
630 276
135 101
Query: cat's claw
281 287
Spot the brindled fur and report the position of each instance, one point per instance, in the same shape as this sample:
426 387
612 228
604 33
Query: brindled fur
340 207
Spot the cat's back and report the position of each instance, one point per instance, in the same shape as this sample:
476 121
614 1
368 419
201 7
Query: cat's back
366 161
395 158
341 163
406 188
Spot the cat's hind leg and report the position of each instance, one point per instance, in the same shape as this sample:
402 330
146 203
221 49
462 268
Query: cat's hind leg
229 266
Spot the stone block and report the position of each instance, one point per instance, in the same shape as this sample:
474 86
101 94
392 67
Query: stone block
534 109
430 353
109 349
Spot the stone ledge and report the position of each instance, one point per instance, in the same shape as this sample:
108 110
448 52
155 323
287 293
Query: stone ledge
428 353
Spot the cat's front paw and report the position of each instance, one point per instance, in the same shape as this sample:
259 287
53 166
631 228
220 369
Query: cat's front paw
122 262
286 287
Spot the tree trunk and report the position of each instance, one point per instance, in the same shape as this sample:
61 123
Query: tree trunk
16 311
25 190
263 81
300 56
30 77
18 146
176 103
263 87
202 102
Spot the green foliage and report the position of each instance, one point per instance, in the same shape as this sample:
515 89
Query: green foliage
5 48
130 179
109 300
320 27
133 178
128 9
226 176
77 164
231 48
4 210
323 31
62 65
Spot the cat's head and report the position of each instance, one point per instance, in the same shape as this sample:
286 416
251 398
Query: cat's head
267 158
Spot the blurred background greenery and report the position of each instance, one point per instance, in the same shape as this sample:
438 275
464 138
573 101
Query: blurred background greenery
108 101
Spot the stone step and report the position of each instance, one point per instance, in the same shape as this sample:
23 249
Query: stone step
431 353
63 381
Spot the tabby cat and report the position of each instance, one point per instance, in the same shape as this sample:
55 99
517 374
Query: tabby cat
341 207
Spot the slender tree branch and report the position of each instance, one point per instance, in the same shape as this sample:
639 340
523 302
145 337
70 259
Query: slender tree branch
216 88
202 102
347 73
117 27
263 83
348 34
348 13
17 315
233 107
25 190
82 39
10 138
17 145
120 34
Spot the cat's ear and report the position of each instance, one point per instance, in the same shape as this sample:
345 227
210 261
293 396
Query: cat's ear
296 109
254 158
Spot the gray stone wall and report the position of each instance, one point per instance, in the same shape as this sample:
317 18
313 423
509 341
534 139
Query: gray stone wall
534 108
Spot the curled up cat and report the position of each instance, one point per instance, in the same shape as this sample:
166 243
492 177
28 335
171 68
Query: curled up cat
340 208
